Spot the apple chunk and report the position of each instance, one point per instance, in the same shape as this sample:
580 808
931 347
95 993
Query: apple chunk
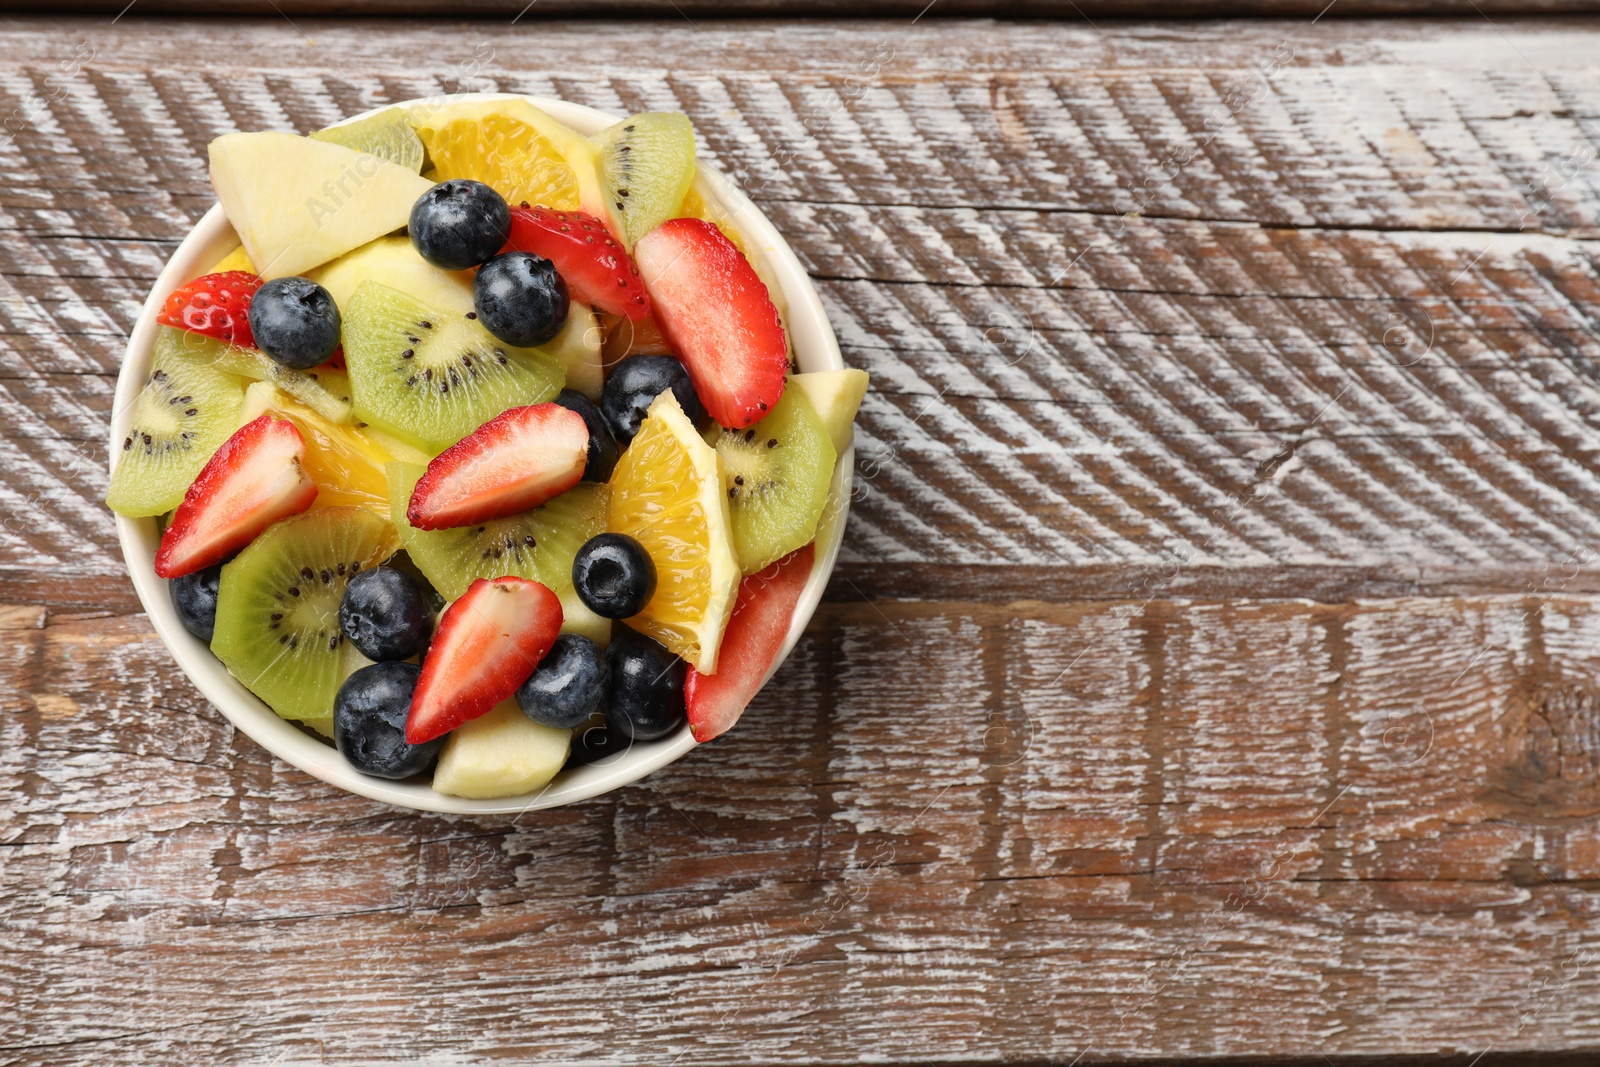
395 262
836 394
501 754
297 203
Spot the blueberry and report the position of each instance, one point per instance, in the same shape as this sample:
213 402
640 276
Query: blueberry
633 386
196 598
431 598
459 224
295 321
598 744
520 298
614 575
603 451
646 687
384 616
568 686
369 722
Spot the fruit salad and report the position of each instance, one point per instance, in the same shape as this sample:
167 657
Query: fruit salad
483 454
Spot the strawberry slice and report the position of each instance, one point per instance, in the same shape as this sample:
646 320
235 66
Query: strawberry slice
750 645
487 644
252 481
515 461
717 314
216 305
595 267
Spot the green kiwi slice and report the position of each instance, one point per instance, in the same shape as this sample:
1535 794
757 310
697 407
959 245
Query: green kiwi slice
431 377
646 168
386 135
777 474
278 606
325 390
187 408
538 544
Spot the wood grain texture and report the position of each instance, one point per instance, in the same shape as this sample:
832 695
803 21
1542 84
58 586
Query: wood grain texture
1231 369
1019 832
1212 668
1063 9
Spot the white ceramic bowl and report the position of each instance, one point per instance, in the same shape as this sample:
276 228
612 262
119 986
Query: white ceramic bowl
815 348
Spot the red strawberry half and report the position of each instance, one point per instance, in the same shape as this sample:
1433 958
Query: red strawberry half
597 269
750 645
217 305
515 461
487 644
715 311
251 482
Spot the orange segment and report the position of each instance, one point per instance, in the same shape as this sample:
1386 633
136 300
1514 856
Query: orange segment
506 154
346 464
667 492
238 259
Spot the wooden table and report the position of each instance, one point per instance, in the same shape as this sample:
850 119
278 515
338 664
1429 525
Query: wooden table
1214 666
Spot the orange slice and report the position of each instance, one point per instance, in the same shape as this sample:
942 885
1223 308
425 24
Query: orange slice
667 492
503 144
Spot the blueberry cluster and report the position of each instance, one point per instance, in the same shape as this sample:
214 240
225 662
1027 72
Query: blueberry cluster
636 682
385 616
518 296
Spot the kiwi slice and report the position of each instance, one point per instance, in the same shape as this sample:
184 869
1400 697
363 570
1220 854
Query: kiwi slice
325 390
538 544
777 474
386 135
278 606
430 376
646 168
186 409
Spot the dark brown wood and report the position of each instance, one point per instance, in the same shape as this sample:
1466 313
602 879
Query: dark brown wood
1030 829
1213 670
937 9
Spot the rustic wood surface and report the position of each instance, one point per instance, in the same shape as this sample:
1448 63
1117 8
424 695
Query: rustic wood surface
1070 9
1213 669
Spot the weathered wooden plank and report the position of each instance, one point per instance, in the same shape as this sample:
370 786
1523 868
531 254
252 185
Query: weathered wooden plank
1160 392
952 49
1028 830
1157 430
942 9
1386 139
1344 349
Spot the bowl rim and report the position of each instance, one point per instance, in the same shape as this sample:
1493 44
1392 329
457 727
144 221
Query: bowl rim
813 344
